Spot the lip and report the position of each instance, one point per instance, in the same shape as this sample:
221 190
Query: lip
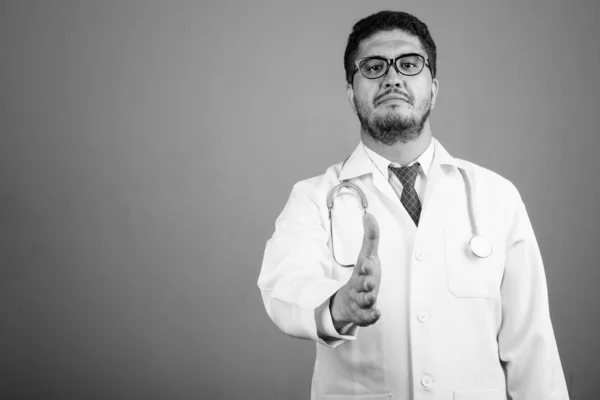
391 98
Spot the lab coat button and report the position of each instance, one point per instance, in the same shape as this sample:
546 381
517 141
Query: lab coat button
427 381
423 317
420 255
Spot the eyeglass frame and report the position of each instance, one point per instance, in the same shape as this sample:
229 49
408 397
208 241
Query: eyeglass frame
390 62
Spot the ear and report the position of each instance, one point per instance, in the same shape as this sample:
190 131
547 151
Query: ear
435 85
350 94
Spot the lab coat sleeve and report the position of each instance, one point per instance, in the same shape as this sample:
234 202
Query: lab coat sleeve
527 346
295 280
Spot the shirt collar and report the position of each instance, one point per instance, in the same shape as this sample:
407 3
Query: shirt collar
382 163
364 161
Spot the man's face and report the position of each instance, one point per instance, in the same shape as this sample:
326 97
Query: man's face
394 107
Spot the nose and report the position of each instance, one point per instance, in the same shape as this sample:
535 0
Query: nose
393 78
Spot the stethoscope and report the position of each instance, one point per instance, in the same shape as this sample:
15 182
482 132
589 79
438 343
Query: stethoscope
479 245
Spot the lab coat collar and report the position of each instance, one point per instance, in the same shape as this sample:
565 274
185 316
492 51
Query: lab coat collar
359 164
425 159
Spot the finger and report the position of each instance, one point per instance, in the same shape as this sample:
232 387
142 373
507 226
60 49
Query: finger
361 300
365 299
367 283
366 268
371 237
369 317
375 315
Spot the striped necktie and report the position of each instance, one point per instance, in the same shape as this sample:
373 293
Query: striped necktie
409 198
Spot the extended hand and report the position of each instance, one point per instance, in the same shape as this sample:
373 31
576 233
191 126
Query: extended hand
355 301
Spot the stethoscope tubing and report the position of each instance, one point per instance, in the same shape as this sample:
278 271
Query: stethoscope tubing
479 246
330 196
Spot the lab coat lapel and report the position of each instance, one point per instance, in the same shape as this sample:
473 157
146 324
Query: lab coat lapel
439 183
359 164
439 180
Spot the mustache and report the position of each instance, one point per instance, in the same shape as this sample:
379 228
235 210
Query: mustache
391 93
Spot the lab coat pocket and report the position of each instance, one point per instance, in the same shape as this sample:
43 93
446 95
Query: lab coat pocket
385 396
468 275
491 394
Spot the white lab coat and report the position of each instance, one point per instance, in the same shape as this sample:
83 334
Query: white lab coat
452 327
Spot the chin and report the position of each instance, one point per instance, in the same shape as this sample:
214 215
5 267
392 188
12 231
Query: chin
397 112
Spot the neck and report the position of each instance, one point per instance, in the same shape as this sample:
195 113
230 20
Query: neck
400 152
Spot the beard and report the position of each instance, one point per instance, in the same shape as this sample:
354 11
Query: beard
392 127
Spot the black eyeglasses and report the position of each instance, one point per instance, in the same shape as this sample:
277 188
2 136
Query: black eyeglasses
376 67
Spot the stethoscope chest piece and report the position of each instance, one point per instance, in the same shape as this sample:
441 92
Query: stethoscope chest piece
480 246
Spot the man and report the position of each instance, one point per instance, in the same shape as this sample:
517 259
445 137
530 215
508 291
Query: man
419 316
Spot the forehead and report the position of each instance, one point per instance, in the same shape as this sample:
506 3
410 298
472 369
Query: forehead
390 43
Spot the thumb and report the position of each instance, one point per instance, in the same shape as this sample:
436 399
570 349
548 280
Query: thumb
371 237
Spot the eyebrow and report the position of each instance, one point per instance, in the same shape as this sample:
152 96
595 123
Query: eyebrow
386 58
400 55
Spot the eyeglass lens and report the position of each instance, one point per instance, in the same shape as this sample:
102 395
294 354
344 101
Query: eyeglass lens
373 68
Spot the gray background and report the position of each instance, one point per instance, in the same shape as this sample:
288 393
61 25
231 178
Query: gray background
147 148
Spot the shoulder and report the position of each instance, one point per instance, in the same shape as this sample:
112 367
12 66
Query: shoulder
310 194
321 183
484 175
489 183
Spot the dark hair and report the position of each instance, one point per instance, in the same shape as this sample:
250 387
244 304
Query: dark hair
387 21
